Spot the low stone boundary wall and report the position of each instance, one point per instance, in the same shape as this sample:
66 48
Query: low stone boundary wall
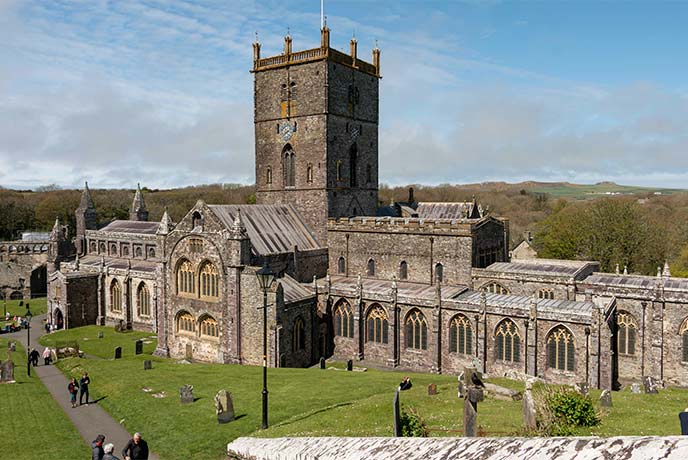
626 448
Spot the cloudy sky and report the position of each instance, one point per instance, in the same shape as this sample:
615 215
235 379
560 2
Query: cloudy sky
158 91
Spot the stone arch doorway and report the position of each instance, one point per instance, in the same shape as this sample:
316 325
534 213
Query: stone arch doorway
59 319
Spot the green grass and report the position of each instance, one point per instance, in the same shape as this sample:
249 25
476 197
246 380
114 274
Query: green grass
588 191
38 306
33 425
104 348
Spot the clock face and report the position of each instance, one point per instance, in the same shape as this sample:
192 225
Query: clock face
286 131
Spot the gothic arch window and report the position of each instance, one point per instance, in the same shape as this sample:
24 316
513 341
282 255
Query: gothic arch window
186 323
560 349
268 175
196 220
210 281
113 249
115 296
545 294
403 270
94 247
102 248
309 173
416 330
439 273
377 325
371 267
339 169
341 265
208 327
494 288
460 335
125 251
626 333
299 339
683 332
507 342
186 278
143 300
343 319
151 252
138 252
289 163
353 165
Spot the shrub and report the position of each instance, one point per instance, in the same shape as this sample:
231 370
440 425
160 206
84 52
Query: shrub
564 409
412 424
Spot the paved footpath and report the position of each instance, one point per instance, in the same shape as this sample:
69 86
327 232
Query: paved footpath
90 420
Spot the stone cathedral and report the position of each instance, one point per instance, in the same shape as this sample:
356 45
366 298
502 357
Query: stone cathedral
412 285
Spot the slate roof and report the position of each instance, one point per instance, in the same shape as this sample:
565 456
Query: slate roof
637 281
523 302
459 210
271 228
375 287
567 268
293 290
131 226
136 265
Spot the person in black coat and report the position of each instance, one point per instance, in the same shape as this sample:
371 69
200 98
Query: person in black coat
97 447
33 357
136 449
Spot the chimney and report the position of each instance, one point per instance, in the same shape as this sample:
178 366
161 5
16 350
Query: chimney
411 200
325 37
354 48
287 44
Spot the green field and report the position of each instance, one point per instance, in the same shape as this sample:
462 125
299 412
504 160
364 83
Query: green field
33 425
38 306
588 191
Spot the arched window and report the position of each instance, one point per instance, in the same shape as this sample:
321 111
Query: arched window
151 252
102 248
289 163
460 335
416 331
371 267
343 319
339 169
683 332
341 265
353 165
196 220
115 296
208 326
377 325
186 278
309 173
545 294
299 339
628 326
138 252
508 342
403 270
94 247
125 251
439 273
210 281
113 249
560 349
143 297
186 323
268 175
494 288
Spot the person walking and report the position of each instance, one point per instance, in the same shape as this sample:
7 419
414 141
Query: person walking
73 389
34 355
97 448
83 386
136 448
109 449
46 356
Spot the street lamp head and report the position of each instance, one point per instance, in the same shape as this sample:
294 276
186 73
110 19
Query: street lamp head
265 277
28 313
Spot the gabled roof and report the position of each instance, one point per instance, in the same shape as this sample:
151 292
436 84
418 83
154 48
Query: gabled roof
637 281
293 290
131 226
546 267
560 306
459 210
272 228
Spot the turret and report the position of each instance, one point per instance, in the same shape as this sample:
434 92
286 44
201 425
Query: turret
138 209
86 219
239 242
56 247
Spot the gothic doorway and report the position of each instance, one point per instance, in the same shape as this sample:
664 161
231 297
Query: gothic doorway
59 319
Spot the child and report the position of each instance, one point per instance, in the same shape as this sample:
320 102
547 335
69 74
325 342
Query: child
73 389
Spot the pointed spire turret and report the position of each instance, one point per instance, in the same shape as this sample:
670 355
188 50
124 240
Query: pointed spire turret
86 219
166 223
86 200
238 228
56 232
666 272
138 209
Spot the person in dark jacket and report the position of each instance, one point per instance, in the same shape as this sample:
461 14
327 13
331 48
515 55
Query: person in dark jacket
33 357
83 387
73 389
109 449
136 449
97 447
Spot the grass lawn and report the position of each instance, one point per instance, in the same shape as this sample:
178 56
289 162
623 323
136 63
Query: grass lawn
38 307
312 402
104 348
33 425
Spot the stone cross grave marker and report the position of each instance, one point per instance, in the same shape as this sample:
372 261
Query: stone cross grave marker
186 394
224 406
635 388
651 385
118 352
432 389
147 365
474 394
606 398
529 409
139 347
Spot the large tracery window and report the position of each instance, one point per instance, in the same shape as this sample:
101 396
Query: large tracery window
343 320
377 325
289 162
143 297
626 333
560 349
209 280
494 288
416 331
299 339
460 335
186 323
186 278
209 327
507 342
115 296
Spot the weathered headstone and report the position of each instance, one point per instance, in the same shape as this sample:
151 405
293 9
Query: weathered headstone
606 398
186 394
322 363
432 389
529 410
350 365
635 388
189 352
224 406
478 365
7 371
651 385
139 347
147 365
12 346
474 395
100 334
118 352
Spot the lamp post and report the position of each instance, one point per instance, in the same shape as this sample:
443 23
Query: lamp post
265 279
28 340
403 386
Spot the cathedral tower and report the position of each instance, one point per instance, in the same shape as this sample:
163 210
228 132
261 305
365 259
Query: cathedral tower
86 219
316 128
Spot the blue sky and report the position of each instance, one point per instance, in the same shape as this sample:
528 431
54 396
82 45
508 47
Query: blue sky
158 92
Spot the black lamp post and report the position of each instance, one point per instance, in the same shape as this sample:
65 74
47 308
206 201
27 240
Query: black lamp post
265 279
28 340
403 386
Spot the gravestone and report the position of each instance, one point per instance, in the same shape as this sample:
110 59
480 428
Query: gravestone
100 334
12 346
224 406
478 365
118 352
683 418
606 398
529 410
635 388
322 363
7 371
350 365
147 365
189 352
651 385
139 347
461 389
432 389
186 394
